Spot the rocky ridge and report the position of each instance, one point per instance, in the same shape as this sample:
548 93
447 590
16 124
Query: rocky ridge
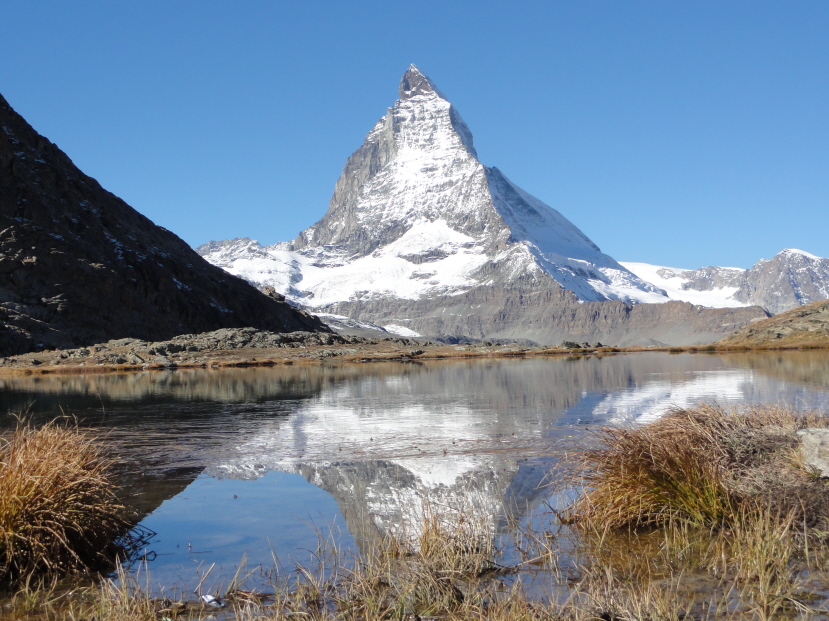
807 325
420 235
225 347
79 266
791 278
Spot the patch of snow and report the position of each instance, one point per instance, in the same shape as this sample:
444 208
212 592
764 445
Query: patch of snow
181 285
341 322
401 330
790 251
671 280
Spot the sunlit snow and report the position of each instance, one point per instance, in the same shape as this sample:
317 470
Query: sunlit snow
671 280
445 224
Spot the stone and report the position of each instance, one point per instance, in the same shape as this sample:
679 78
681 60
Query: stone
814 446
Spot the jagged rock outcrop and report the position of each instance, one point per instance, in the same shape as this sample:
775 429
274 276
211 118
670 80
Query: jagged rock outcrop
80 266
791 278
420 235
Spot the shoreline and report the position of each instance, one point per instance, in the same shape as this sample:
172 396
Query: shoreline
246 347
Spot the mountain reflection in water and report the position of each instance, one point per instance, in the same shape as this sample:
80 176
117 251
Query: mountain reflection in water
384 439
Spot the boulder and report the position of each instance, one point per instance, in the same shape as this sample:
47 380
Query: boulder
815 449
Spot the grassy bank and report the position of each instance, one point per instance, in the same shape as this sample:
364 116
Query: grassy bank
704 465
58 511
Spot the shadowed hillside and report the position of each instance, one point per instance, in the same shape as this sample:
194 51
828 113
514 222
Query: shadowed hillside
80 266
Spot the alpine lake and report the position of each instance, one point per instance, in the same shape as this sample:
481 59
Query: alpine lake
257 471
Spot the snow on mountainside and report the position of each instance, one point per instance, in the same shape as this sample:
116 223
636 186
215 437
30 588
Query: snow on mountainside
415 215
791 278
707 286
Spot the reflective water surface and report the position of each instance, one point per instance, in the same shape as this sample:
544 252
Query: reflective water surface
258 462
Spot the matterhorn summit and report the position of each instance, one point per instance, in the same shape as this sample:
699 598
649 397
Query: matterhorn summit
423 238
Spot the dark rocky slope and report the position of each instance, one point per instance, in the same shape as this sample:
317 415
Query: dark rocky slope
80 266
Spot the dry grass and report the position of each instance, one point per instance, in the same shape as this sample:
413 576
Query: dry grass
121 599
434 570
753 571
58 511
765 566
699 465
706 512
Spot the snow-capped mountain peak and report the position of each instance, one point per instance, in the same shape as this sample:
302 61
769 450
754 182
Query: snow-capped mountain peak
794 252
414 83
416 215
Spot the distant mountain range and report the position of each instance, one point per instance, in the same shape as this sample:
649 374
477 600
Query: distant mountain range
422 238
79 266
790 279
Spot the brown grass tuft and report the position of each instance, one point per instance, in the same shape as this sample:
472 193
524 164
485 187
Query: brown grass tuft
58 511
698 465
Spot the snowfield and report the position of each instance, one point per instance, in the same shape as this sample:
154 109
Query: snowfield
671 281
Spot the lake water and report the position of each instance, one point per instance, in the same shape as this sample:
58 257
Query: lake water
261 462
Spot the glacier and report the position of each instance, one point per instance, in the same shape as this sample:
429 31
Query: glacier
789 279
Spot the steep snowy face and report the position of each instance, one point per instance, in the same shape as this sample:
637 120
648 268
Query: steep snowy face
417 165
415 215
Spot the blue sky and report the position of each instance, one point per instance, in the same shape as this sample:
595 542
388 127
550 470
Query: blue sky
677 133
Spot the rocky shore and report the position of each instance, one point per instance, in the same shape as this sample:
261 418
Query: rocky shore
240 347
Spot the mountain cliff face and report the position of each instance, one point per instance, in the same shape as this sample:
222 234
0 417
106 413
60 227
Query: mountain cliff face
415 214
790 279
80 266
420 234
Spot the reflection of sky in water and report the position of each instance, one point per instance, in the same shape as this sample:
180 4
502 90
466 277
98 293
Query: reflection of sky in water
219 521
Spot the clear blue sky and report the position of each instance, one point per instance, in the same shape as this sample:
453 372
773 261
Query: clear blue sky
676 133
